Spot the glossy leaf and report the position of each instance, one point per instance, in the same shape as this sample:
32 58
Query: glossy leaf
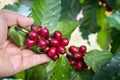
17 36
46 12
20 8
60 70
110 70
114 19
95 58
70 9
66 27
81 75
89 23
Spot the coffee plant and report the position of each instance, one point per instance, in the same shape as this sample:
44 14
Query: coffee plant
54 22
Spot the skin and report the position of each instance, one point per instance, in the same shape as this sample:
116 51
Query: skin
12 58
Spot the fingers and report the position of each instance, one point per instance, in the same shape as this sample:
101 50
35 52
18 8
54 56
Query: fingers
33 60
12 18
3 31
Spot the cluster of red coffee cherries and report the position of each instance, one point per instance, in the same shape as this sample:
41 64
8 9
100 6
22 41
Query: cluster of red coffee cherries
76 56
52 45
55 45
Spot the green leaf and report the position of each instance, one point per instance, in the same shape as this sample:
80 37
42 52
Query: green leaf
104 41
60 70
114 19
88 23
66 27
36 48
95 58
115 44
37 73
70 9
101 17
110 70
17 36
46 12
20 8
20 75
81 75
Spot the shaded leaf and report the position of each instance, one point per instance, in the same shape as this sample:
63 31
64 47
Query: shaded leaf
20 8
20 75
37 73
36 48
88 23
110 70
70 9
60 70
46 12
95 58
115 44
81 75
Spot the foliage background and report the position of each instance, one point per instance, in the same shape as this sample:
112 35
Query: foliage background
60 15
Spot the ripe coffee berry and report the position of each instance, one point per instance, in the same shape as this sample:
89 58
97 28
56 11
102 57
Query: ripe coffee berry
44 32
46 49
52 51
56 57
39 28
82 49
73 49
69 57
64 42
42 42
33 35
61 49
77 56
72 62
57 35
79 65
54 42
30 42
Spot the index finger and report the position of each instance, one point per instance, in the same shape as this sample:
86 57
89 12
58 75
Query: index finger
12 18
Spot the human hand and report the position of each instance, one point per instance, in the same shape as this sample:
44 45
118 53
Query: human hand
12 58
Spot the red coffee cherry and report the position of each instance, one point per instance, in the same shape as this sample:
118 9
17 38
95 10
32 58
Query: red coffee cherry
64 42
39 28
46 49
44 32
72 62
54 42
33 35
57 35
79 65
61 49
82 49
30 42
56 57
52 51
73 49
42 42
77 56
